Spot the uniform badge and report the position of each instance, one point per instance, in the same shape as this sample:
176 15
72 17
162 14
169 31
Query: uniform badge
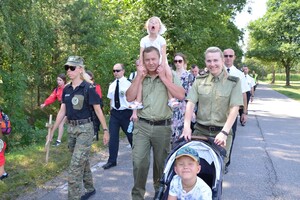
122 93
75 101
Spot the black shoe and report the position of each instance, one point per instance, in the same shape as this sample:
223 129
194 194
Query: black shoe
5 175
88 195
109 165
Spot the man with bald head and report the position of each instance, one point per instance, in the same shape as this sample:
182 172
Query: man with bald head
119 113
229 56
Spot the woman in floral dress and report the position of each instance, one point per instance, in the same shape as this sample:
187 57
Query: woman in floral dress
187 79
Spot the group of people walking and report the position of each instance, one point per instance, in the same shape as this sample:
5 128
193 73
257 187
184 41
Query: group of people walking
164 104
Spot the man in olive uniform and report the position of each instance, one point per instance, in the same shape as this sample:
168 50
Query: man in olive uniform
219 98
153 129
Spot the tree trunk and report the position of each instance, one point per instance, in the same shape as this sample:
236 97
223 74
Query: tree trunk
287 74
273 76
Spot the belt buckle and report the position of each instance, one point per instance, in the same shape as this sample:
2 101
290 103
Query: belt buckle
151 123
212 128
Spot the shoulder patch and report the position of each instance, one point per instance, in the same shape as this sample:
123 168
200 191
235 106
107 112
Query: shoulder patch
233 78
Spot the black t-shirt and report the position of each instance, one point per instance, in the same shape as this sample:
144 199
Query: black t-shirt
77 107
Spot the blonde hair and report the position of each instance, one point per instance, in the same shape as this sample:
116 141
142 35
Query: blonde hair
162 29
85 76
217 50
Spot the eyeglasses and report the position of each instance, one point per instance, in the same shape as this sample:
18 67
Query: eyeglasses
116 70
178 61
72 68
230 56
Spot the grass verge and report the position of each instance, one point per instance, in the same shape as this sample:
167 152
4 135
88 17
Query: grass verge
292 91
28 170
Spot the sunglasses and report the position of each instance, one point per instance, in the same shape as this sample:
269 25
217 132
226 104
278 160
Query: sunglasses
72 68
230 56
178 61
116 70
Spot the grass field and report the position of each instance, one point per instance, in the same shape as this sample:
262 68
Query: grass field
292 91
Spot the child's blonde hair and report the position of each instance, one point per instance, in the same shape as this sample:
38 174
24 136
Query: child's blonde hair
162 29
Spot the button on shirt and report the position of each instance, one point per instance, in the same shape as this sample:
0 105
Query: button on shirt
124 84
237 73
215 96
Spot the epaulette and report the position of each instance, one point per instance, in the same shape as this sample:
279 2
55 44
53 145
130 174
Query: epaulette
233 78
202 76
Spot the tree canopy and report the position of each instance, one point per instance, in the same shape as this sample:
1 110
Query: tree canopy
275 37
37 36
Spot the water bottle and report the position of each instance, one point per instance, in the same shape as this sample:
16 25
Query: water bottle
130 127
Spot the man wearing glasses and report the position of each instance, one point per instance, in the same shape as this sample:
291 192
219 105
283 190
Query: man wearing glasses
229 56
119 113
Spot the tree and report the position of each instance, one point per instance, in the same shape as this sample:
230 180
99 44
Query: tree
275 37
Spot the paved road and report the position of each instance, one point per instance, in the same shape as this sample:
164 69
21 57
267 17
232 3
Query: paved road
265 161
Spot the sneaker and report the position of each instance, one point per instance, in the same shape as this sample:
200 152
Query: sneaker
57 143
5 175
136 105
88 195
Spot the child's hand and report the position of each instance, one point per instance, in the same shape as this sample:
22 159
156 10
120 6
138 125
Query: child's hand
161 72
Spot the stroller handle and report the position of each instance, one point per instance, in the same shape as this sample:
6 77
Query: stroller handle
199 138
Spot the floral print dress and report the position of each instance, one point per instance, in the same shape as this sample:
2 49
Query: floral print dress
187 80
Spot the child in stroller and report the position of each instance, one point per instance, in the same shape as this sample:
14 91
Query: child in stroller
211 159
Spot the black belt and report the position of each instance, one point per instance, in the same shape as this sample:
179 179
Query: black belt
79 121
211 128
165 122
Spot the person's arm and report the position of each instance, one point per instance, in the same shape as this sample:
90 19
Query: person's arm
102 120
132 91
172 197
51 99
220 139
60 116
245 108
176 91
187 131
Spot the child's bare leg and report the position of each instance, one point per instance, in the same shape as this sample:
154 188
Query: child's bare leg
172 101
61 129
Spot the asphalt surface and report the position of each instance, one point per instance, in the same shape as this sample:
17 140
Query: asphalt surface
265 160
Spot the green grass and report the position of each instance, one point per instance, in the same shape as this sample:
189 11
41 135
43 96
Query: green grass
292 91
28 170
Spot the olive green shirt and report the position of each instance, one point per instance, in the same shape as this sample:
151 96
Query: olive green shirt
155 99
215 96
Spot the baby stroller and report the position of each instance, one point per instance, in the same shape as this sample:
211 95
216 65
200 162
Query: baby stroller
211 160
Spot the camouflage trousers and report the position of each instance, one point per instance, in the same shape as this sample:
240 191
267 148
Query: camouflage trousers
80 139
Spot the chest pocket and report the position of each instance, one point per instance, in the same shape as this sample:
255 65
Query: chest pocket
77 102
205 89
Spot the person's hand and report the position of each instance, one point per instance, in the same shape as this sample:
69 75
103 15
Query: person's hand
161 72
186 133
134 116
220 139
141 71
106 137
244 118
251 99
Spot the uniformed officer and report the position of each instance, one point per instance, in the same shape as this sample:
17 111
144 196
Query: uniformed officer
120 115
78 99
153 129
218 96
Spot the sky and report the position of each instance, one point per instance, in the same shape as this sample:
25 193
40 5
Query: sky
242 19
